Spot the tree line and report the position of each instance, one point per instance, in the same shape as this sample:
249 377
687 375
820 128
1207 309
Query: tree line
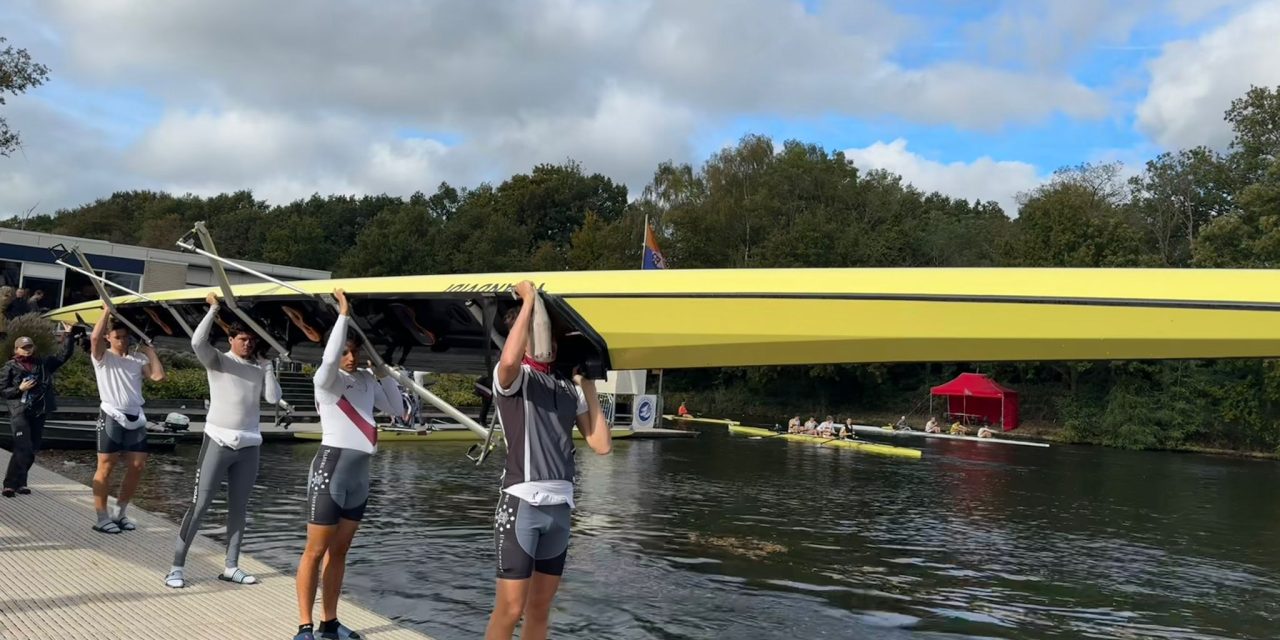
800 205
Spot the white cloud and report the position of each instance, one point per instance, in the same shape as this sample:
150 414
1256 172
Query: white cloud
1049 34
293 98
457 64
1046 33
982 179
1194 81
626 135
62 161
283 157
290 98
1192 10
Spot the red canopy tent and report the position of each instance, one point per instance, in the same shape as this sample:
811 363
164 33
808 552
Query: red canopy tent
975 396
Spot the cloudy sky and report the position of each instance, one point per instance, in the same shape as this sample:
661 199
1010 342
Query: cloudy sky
975 98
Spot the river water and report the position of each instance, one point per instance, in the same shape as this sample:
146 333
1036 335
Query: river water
719 537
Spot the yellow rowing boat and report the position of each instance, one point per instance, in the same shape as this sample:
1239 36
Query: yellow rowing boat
857 445
742 317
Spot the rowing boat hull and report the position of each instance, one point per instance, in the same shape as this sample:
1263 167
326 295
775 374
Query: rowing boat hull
880 431
864 447
441 435
738 317
74 434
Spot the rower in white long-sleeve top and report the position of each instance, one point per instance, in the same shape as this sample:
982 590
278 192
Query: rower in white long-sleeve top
338 489
237 381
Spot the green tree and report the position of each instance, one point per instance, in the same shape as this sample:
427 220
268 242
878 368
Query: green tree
1079 219
18 73
1176 196
552 201
607 245
481 235
1249 236
401 240
1255 121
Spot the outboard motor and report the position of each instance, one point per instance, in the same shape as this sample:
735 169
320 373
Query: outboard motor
175 422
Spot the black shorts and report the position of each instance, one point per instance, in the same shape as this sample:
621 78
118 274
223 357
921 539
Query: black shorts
114 438
339 485
530 538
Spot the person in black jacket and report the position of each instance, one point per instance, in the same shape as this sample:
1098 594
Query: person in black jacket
26 382
19 306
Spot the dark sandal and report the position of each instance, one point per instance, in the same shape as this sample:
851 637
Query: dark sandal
108 527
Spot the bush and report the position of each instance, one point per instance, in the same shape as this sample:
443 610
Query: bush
76 378
456 389
32 326
176 360
182 384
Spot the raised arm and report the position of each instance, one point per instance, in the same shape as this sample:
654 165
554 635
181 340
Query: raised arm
97 340
517 339
68 347
270 385
594 428
387 398
205 353
327 373
155 369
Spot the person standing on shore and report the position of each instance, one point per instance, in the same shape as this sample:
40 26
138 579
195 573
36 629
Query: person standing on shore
237 381
338 487
122 426
26 382
538 409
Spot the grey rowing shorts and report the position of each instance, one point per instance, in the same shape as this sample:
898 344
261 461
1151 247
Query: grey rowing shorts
529 538
114 438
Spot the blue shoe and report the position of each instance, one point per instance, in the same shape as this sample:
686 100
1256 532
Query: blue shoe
305 635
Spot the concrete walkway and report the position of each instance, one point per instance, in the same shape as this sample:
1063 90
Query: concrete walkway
63 580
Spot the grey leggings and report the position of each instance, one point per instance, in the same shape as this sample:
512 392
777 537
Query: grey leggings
240 468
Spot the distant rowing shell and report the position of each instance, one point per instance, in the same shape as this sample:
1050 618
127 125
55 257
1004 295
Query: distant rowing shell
864 447
880 431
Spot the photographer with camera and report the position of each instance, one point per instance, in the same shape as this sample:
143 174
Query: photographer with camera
26 382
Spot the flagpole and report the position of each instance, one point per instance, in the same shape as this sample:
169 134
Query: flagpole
644 245
644 236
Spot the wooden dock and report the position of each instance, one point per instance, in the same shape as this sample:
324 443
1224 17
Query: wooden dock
64 580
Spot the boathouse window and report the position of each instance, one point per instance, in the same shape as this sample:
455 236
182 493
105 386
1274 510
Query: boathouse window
52 290
10 273
80 287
